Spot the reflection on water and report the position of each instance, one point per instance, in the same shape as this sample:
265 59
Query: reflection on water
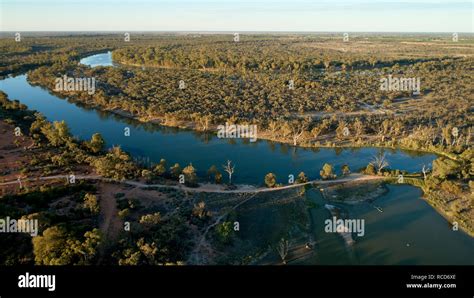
407 232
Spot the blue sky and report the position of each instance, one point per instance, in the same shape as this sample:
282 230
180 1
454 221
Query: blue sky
238 15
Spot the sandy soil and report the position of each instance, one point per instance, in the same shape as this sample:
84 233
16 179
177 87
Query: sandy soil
110 224
12 156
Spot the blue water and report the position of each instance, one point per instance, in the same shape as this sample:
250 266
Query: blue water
104 59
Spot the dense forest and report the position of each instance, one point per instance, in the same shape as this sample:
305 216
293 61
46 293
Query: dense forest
299 90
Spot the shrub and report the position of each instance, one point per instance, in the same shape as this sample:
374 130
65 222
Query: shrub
270 180
327 172
302 178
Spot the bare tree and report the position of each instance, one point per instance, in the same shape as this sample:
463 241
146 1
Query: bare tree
229 168
298 128
468 135
379 162
273 127
282 249
19 181
204 122
381 134
316 131
446 135
359 127
425 171
433 132
456 136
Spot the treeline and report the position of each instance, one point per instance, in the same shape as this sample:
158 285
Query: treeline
32 51
255 55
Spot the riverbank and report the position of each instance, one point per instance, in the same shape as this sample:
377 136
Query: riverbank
205 188
212 129
442 203
328 140
189 125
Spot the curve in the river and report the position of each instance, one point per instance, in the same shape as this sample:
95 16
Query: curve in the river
153 142
408 231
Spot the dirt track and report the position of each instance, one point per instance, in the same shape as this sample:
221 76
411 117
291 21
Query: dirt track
350 178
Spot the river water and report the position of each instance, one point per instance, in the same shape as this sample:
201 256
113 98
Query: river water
409 231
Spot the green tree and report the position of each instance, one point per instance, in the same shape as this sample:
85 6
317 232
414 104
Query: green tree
211 171
115 164
345 170
57 133
62 131
160 168
214 172
218 177
124 213
49 248
96 144
88 249
147 174
200 211
175 170
301 178
56 247
90 203
370 169
359 128
445 167
270 180
151 219
327 172
190 175
225 232
342 130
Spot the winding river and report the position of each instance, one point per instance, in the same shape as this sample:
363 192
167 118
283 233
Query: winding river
409 231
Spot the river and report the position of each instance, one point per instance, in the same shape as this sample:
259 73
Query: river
409 231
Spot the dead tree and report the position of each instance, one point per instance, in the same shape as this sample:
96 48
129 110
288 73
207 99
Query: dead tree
229 168
379 162
425 171
298 128
282 249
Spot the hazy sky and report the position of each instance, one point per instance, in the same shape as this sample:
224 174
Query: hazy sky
238 15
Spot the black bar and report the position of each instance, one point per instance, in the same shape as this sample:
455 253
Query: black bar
219 281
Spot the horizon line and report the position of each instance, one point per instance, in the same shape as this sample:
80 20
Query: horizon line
227 31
